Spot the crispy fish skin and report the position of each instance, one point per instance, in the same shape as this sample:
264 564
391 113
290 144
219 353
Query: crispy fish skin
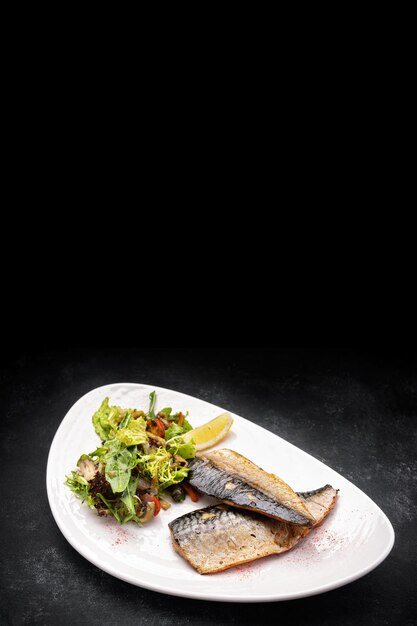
235 480
219 537
320 502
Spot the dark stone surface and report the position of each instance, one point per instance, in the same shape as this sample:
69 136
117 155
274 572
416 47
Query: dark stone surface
357 412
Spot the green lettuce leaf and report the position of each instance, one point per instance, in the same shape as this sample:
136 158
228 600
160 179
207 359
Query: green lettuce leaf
152 402
99 452
186 426
187 450
119 462
134 433
105 419
128 495
178 446
173 431
115 417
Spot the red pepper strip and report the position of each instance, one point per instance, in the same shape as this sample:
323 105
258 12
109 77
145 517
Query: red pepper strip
147 497
180 419
193 494
156 427
161 427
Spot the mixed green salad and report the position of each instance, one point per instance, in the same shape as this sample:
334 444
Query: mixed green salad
142 460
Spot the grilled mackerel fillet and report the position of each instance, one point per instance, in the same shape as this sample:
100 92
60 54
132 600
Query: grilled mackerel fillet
233 479
218 537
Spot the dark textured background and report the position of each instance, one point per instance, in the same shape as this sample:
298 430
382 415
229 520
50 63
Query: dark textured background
354 410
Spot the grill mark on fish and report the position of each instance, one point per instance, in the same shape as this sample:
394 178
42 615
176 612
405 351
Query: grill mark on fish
244 492
219 537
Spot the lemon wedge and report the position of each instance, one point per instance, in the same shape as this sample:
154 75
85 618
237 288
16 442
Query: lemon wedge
212 432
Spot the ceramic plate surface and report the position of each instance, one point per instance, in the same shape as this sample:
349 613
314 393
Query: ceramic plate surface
352 541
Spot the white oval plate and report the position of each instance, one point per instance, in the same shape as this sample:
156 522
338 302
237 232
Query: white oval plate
351 542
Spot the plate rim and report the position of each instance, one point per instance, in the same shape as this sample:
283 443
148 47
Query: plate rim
207 596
